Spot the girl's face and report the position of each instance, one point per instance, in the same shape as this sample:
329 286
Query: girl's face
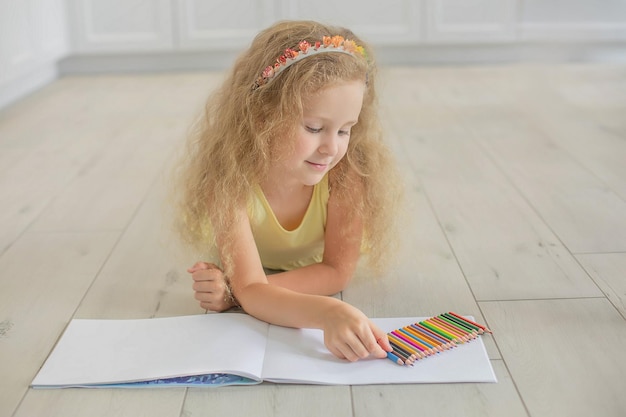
324 132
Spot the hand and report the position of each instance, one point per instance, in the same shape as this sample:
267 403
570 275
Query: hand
350 335
209 284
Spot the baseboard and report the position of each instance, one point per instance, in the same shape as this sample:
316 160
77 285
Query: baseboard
426 54
483 54
19 87
147 62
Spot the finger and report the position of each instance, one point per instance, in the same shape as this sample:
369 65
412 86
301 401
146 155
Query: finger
336 352
358 346
381 338
217 306
380 347
348 353
207 275
371 343
203 286
196 267
200 265
204 297
209 286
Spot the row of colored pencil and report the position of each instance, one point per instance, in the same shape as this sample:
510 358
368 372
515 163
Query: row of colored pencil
431 336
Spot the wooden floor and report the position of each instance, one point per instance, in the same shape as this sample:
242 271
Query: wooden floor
516 186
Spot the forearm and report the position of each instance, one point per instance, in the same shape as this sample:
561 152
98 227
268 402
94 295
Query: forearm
284 307
316 279
348 333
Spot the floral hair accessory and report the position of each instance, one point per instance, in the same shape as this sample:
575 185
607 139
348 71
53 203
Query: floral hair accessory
306 49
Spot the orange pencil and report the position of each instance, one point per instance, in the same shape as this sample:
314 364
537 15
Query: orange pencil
415 354
432 345
440 341
414 340
441 327
410 343
439 330
445 340
461 335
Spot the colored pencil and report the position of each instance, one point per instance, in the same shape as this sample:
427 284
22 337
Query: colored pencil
394 358
416 354
439 345
471 322
461 335
426 342
463 323
406 357
419 342
439 331
471 333
399 342
408 341
458 322
399 351
442 341
431 336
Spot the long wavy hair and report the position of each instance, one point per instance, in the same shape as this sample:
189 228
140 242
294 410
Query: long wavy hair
232 145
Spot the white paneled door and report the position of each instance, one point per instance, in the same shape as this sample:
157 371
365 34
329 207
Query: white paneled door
121 25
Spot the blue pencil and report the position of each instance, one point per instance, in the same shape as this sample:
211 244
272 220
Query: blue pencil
394 358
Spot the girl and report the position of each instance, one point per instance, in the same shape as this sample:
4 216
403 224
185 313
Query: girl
287 171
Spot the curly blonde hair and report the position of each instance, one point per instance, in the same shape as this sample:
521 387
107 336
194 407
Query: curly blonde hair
233 143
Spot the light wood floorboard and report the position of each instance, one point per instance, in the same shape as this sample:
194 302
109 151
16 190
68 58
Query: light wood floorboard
516 213
270 400
44 278
608 270
504 248
572 364
499 399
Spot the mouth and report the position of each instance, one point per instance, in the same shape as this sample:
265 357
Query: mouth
316 166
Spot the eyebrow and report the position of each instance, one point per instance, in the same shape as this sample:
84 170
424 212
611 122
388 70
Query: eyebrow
325 119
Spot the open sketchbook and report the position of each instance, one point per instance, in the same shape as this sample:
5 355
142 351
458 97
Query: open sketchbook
229 349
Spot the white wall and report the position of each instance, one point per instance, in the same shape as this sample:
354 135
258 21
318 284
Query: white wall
141 35
33 37
573 20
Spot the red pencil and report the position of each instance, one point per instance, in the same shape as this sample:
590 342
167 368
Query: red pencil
471 322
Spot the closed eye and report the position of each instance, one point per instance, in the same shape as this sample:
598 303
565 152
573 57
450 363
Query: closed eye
312 129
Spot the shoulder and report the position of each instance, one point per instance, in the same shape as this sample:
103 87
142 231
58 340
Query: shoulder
344 181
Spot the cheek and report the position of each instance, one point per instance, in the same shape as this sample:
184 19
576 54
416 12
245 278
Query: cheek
341 153
305 144
343 148
284 149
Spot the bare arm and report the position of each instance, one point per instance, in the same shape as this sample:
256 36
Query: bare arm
347 331
330 276
295 298
341 254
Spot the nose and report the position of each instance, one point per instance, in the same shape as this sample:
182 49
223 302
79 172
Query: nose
329 144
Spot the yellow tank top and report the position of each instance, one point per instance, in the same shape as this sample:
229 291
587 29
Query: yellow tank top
290 249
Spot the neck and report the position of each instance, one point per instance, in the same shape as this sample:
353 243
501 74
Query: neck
283 186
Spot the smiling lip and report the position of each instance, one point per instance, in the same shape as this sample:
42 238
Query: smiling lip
319 167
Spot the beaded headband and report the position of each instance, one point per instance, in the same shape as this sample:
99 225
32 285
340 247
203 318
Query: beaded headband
305 49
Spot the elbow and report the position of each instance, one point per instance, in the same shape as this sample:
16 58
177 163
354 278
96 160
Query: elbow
340 282
244 295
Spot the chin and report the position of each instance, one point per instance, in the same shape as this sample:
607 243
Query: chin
313 180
